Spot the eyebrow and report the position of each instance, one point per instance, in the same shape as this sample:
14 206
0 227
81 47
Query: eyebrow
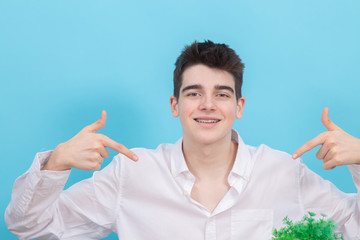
195 86
217 87
224 87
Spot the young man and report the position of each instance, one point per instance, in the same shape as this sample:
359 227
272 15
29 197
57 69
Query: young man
208 185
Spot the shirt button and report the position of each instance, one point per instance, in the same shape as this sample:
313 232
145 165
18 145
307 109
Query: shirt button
211 219
37 174
186 193
28 191
174 174
247 178
189 176
23 203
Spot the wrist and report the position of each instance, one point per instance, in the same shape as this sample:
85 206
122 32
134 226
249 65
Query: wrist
55 163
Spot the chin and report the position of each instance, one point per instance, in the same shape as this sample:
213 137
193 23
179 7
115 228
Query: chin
208 138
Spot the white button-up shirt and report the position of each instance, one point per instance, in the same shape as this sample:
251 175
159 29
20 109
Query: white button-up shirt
151 199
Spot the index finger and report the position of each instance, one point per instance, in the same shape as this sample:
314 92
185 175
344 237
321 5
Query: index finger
319 140
108 142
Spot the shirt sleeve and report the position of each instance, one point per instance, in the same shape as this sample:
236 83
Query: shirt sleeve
321 196
40 209
355 172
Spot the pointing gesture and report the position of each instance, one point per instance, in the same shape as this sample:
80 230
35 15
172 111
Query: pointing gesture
338 147
86 150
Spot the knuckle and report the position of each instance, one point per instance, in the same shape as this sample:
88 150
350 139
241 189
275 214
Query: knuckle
336 158
332 143
88 168
326 167
94 157
94 166
94 148
97 147
334 153
335 150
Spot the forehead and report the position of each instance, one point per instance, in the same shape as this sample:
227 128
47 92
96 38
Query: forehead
206 76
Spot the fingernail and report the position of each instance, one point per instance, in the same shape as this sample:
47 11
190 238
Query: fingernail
135 158
294 156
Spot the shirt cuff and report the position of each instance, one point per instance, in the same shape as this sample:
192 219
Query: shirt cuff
47 178
36 188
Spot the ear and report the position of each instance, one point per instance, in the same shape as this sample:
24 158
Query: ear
240 107
174 106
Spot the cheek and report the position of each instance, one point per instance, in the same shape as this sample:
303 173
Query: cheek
185 110
232 116
229 111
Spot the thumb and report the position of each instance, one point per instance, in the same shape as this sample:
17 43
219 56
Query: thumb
96 126
327 122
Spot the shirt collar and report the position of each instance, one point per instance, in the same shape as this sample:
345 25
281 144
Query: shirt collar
178 164
242 164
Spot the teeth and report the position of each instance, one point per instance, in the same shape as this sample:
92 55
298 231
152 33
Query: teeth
207 121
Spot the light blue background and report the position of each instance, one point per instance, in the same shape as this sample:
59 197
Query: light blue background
62 62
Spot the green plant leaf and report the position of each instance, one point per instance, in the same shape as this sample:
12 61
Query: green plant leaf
307 228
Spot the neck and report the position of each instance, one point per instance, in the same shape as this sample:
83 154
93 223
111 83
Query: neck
210 162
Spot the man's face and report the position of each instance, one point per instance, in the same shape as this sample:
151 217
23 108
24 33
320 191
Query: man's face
207 104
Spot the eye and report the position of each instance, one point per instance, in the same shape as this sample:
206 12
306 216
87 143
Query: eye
193 94
223 95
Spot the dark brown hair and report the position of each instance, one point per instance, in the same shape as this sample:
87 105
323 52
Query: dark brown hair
213 55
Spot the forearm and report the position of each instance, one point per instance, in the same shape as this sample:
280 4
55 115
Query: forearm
33 198
40 209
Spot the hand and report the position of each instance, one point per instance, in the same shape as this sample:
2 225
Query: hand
86 150
338 147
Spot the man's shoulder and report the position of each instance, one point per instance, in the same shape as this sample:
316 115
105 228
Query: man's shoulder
265 154
266 150
160 149
273 164
261 151
148 158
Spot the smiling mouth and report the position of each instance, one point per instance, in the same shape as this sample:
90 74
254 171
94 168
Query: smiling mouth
207 120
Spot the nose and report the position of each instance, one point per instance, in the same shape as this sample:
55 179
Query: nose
207 104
